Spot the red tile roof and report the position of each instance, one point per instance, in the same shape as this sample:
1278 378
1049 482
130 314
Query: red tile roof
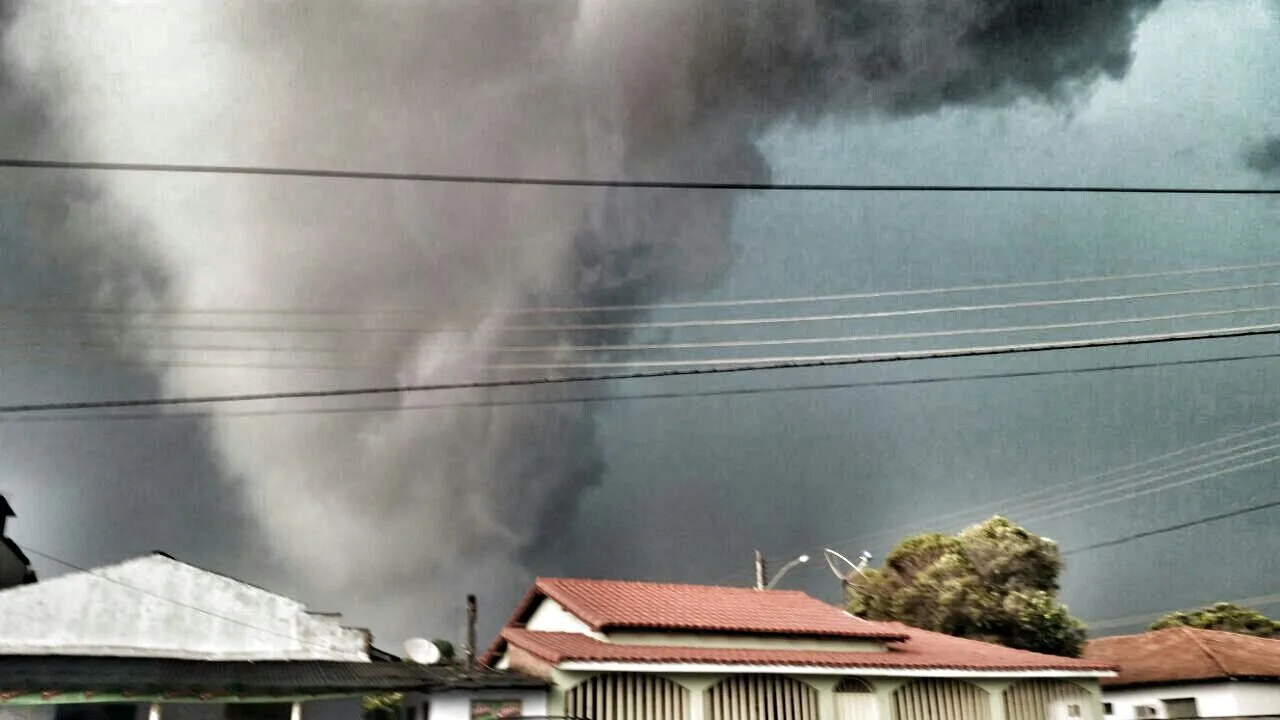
610 605
1185 654
921 651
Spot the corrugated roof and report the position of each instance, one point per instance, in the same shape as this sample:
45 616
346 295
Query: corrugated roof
193 678
607 605
1184 654
922 650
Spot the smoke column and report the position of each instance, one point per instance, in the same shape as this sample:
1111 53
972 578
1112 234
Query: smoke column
405 505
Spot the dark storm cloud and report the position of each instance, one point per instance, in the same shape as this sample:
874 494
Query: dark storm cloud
1263 156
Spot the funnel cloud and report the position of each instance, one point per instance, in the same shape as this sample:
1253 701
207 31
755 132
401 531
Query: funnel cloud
413 284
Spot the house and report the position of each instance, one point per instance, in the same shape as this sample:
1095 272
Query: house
626 650
1185 672
154 638
15 567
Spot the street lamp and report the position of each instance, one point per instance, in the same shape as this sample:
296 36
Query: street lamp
798 561
762 581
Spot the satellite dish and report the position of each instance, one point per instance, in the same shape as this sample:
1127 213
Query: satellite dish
422 651
842 567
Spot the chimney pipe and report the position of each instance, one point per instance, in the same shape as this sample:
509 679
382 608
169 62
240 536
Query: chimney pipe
471 631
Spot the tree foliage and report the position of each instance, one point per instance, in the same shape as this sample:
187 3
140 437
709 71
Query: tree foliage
994 581
1227 617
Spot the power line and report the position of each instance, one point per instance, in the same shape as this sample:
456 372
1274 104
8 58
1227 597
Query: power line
1145 478
636 347
676 395
689 368
178 603
694 345
1082 485
690 305
1129 496
270 171
1173 528
721 322
1256 601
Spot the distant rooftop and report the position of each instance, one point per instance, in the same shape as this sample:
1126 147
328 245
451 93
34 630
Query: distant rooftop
624 605
1185 654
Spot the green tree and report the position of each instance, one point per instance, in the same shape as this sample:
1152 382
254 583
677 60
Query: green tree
994 581
1227 617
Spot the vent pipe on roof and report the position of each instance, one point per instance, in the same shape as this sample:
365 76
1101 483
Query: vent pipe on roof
471 631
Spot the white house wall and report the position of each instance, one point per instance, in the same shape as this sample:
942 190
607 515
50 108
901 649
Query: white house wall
550 616
1229 699
156 606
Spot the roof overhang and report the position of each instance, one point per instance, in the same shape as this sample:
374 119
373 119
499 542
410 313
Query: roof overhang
716 669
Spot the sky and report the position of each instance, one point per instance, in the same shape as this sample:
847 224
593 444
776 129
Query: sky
393 517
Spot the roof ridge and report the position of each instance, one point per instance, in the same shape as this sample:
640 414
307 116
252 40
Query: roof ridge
1205 649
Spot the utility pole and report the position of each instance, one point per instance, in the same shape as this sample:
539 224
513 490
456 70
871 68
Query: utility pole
761 575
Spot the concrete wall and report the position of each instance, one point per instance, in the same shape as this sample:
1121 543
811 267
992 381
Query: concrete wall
152 606
1225 700
457 705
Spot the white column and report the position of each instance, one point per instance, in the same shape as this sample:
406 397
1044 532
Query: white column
995 696
295 713
154 712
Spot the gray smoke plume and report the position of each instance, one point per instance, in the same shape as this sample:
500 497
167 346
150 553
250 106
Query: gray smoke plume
418 278
1264 156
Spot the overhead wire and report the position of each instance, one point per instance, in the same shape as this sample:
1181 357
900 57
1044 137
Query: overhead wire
1143 618
470 179
700 368
693 345
1086 484
717 322
1248 509
685 305
628 397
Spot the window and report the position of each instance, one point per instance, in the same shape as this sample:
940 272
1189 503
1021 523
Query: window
1073 710
1180 708
1144 711
1107 709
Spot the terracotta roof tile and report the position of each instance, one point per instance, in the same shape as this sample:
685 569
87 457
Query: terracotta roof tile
617 605
1186 655
920 651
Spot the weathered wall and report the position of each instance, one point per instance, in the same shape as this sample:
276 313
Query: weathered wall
457 705
157 606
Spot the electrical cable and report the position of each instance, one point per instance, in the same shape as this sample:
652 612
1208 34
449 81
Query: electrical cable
1258 507
737 366
676 395
689 305
272 171
721 322
641 347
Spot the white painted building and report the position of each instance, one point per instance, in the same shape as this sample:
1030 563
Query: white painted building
157 639
625 650
1189 673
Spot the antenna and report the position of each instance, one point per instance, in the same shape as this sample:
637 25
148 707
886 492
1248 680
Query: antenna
422 651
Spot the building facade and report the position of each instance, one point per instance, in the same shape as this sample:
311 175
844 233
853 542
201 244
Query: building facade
154 638
614 650
1189 673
